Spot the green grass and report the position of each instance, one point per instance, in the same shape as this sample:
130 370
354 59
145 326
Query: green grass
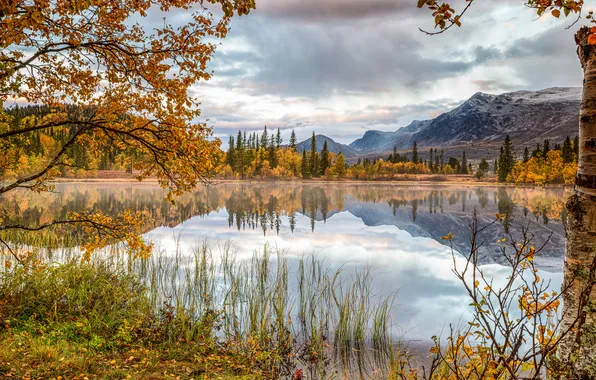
200 314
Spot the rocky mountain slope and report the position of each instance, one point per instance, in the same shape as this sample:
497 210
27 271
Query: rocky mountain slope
479 125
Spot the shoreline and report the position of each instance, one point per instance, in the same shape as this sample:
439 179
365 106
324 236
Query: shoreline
396 182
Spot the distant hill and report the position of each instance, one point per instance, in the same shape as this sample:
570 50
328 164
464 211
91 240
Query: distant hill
480 124
379 141
332 145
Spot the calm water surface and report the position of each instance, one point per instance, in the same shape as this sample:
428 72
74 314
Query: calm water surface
396 230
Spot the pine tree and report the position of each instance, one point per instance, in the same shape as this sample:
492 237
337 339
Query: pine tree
506 159
325 159
231 151
545 148
431 162
304 165
239 155
526 154
313 155
536 153
278 139
415 153
483 166
271 152
464 164
293 140
264 138
567 150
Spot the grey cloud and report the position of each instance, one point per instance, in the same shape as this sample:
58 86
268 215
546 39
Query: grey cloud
366 51
318 60
312 10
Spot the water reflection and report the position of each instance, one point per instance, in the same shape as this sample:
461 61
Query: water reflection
424 211
396 230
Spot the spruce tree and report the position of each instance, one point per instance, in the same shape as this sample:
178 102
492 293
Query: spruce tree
567 151
545 148
313 155
304 165
506 159
293 140
536 153
431 162
264 138
239 155
325 159
272 152
230 155
415 153
278 139
526 154
464 164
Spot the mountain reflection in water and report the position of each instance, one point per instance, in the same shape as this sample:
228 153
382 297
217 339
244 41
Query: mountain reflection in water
397 230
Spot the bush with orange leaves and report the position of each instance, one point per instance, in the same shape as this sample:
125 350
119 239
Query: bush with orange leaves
515 330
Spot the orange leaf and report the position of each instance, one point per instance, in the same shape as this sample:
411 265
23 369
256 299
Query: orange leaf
592 39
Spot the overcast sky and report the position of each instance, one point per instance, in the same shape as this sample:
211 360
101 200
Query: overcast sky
342 67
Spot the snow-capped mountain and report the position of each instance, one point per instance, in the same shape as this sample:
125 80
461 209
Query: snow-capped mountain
478 126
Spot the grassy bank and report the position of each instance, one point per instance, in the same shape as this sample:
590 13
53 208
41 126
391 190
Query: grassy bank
201 314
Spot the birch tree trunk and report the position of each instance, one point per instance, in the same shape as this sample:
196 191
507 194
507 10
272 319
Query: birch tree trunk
578 348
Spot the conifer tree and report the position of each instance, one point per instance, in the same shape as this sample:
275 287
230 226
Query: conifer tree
230 155
526 154
545 148
431 162
415 153
313 155
325 159
278 139
304 166
239 155
506 159
567 151
464 163
271 152
264 138
293 140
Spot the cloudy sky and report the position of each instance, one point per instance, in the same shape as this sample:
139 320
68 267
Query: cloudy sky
342 67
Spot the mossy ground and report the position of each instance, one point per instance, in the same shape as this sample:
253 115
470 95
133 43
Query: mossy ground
83 322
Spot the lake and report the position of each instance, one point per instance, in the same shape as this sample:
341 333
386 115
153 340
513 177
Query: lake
394 229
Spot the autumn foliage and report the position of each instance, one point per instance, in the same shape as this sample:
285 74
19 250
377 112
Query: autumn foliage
107 82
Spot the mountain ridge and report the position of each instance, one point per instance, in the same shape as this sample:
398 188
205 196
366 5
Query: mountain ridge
478 125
